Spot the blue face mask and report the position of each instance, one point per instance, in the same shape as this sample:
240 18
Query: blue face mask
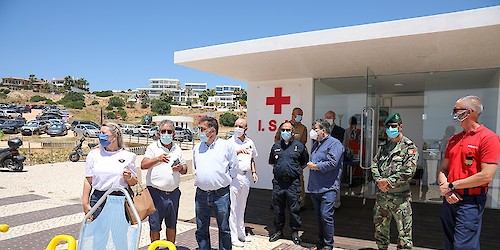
166 139
298 118
392 132
104 140
286 135
203 137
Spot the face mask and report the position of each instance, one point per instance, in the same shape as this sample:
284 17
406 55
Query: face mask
239 131
313 134
298 118
286 135
104 140
456 117
330 121
392 132
203 137
166 139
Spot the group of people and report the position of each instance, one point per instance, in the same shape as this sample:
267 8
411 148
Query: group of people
224 169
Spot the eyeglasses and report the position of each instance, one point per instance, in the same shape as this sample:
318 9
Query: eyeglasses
201 129
455 110
286 130
163 131
238 126
391 125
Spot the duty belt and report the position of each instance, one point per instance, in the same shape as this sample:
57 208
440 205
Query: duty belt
285 179
472 191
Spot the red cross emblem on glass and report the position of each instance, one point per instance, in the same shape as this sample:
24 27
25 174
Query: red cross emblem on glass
277 100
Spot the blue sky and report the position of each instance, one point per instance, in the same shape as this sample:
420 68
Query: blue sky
120 44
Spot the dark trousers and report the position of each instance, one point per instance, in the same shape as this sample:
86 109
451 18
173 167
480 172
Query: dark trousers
462 222
324 209
286 194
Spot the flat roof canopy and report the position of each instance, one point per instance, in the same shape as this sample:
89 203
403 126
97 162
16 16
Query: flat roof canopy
453 41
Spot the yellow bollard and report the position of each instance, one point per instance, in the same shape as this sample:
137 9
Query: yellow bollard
4 228
55 241
162 243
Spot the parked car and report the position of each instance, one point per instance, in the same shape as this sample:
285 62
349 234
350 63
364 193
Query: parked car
128 128
86 130
33 128
57 129
153 133
11 113
76 122
183 134
142 130
10 127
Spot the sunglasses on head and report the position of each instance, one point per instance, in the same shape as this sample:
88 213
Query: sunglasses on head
391 125
286 130
163 131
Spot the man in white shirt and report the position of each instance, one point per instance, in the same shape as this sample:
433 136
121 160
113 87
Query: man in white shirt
214 161
240 186
164 162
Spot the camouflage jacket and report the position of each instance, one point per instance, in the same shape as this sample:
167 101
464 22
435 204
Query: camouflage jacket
397 165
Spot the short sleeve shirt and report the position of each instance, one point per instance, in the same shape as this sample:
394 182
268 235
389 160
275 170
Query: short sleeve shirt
106 168
466 152
161 176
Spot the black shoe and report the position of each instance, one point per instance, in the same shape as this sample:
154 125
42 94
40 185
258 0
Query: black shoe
276 236
296 239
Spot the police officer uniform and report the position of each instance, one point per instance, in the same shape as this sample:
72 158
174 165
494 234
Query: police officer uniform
288 159
396 162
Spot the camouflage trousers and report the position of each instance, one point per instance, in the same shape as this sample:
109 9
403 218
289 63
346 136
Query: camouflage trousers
386 207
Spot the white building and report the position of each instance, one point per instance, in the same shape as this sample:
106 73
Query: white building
160 85
418 67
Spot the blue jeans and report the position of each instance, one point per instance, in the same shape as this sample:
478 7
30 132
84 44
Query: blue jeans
219 202
324 209
462 222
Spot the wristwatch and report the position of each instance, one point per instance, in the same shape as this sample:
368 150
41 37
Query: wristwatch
451 186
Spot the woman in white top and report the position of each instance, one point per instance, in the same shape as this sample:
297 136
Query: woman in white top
107 166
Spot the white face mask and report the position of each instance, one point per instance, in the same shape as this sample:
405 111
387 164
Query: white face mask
313 134
330 121
239 131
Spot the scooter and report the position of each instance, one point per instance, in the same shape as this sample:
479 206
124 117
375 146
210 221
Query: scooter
75 155
10 157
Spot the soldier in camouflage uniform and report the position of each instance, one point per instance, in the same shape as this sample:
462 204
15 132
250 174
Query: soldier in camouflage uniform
392 169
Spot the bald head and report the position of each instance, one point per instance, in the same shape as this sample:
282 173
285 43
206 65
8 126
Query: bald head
241 122
330 115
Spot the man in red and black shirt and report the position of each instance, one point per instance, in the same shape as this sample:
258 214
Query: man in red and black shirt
469 165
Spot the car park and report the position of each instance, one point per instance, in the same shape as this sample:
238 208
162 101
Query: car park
11 113
57 129
86 130
153 133
183 134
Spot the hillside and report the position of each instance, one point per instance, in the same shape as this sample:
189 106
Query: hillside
92 112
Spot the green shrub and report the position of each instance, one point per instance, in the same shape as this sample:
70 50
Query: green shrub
109 107
116 101
50 102
37 98
94 102
228 119
3 95
75 105
104 93
111 115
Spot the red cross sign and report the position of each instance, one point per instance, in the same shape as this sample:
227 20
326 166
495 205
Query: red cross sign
277 100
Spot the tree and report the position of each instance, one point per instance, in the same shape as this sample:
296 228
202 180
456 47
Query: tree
116 101
68 82
82 84
32 78
228 119
189 93
205 94
160 107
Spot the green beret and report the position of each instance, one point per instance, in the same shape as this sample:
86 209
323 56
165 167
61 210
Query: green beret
396 117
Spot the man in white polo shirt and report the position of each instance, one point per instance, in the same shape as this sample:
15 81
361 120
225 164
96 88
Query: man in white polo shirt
164 162
214 162
240 186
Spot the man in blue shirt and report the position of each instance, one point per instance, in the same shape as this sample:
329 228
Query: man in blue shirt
214 162
325 164
288 157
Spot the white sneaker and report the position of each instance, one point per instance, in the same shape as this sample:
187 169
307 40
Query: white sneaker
246 239
238 243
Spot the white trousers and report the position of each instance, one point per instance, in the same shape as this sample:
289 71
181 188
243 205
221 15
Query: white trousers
239 190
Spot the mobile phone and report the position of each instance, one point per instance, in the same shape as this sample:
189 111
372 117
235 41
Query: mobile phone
176 162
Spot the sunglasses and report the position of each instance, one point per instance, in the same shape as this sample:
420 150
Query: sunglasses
391 125
238 126
286 130
163 131
455 110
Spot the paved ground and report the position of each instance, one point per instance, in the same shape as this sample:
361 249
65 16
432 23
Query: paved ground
44 201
